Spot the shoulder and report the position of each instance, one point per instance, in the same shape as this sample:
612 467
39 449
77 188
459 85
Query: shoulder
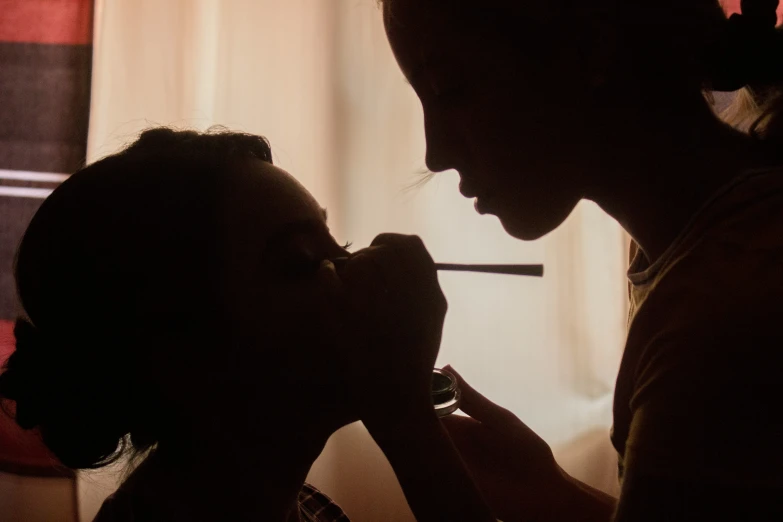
727 271
704 357
116 508
140 497
712 315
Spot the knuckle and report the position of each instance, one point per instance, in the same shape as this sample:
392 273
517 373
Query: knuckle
415 240
387 238
416 243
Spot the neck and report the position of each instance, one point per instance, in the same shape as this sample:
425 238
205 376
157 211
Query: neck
664 182
222 476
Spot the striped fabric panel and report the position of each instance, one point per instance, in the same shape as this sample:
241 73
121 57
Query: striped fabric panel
45 64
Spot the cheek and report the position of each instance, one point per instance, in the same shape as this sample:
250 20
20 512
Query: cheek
295 314
520 113
508 126
521 147
301 332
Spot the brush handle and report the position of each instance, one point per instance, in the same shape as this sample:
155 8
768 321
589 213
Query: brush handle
523 270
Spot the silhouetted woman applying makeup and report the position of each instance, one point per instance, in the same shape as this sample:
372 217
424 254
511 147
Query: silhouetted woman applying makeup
539 105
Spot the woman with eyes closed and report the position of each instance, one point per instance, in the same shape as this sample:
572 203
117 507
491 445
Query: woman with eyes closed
180 306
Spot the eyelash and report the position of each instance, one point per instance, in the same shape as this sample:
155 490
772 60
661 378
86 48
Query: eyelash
348 245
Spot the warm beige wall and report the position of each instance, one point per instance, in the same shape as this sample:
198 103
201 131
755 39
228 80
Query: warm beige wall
259 66
37 499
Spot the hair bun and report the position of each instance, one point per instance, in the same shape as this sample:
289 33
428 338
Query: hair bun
48 382
21 380
750 50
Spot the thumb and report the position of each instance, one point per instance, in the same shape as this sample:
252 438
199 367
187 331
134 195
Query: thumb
328 280
330 297
481 408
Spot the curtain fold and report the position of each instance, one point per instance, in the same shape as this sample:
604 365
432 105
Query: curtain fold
319 80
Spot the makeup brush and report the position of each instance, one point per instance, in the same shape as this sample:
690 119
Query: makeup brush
523 270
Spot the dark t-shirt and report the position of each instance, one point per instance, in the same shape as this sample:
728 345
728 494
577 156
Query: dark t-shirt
700 390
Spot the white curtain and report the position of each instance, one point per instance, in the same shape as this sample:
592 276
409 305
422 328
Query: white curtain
318 79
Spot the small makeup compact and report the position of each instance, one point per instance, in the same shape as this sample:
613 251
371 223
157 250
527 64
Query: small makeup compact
445 392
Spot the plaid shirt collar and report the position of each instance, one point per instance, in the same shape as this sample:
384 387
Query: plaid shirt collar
314 506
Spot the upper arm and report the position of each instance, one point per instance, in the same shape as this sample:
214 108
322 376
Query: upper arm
706 434
649 498
708 409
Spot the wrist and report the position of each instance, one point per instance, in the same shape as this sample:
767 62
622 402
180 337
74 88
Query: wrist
578 501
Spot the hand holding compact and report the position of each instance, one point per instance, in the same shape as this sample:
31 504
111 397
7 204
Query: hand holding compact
391 313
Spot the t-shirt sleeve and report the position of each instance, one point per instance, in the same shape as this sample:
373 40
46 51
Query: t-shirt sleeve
713 418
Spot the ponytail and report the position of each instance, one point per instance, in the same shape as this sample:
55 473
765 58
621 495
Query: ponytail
768 125
748 57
